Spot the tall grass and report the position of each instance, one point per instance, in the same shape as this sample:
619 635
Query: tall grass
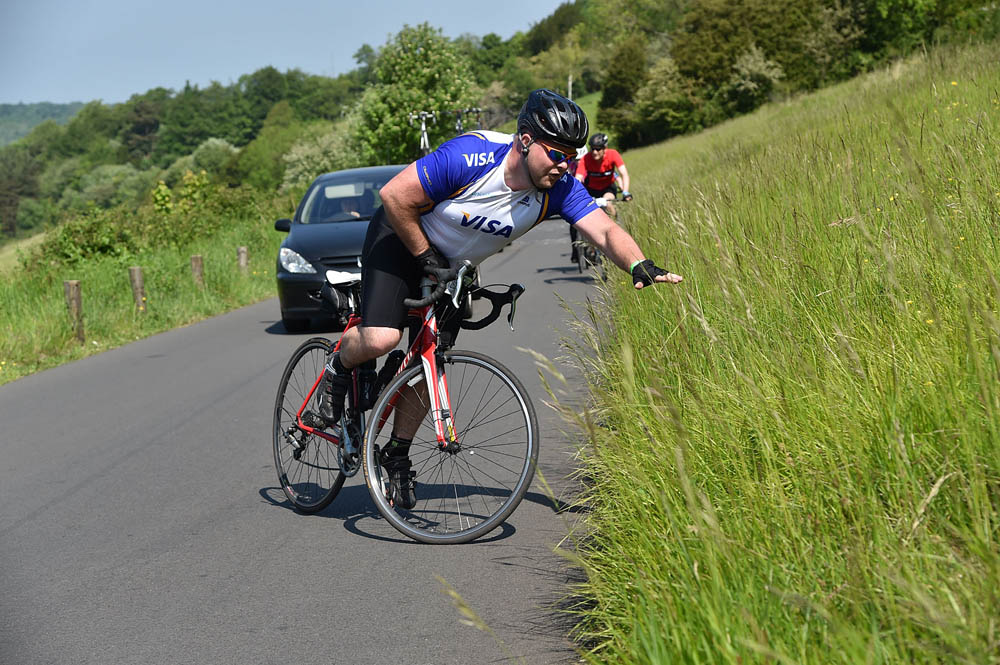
35 328
797 450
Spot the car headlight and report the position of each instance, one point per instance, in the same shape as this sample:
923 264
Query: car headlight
292 261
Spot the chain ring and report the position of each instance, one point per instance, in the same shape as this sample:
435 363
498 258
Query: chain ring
350 462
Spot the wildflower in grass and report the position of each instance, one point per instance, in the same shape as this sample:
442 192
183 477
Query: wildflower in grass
928 383
954 82
929 321
909 302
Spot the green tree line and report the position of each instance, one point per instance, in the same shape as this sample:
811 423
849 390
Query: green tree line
662 68
16 120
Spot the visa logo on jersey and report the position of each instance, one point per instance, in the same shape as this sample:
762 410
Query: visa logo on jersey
479 159
487 226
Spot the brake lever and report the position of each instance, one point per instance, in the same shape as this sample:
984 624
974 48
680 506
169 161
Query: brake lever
454 288
515 290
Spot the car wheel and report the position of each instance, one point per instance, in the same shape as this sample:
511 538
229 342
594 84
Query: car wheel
295 325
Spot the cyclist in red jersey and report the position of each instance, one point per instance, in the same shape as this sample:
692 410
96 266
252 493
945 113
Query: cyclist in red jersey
599 167
600 171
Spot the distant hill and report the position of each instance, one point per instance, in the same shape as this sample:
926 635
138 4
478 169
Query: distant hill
16 120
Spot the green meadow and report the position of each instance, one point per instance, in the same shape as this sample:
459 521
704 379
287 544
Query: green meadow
36 331
794 455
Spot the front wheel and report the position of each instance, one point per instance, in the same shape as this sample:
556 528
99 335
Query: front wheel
308 470
469 490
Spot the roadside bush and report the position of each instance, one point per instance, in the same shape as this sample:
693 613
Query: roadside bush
36 214
753 79
94 233
212 155
323 148
665 105
175 172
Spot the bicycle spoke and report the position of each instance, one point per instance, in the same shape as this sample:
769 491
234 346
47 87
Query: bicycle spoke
464 492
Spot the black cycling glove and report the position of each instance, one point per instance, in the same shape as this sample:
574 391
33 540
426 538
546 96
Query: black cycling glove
646 272
434 265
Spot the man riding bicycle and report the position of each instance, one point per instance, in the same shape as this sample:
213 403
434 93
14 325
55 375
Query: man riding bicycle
466 201
600 170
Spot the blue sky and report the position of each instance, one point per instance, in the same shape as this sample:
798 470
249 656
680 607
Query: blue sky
66 51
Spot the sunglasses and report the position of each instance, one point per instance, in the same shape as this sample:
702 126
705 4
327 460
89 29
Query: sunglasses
555 154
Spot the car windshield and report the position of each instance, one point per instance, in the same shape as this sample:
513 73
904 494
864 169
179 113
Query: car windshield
346 200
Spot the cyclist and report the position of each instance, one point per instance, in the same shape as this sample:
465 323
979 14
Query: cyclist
600 171
466 201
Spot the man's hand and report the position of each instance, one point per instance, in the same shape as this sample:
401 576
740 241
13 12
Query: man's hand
626 195
434 265
646 273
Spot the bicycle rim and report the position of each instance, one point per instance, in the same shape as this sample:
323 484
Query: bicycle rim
311 478
460 496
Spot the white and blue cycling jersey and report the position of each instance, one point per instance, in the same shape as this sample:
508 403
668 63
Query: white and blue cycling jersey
475 214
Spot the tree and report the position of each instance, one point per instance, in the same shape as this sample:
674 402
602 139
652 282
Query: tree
550 30
259 164
419 70
262 90
18 171
138 136
620 85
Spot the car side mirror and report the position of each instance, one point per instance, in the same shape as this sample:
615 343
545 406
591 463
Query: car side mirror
283 225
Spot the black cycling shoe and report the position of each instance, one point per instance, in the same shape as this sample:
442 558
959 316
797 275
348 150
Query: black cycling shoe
331 403
402 486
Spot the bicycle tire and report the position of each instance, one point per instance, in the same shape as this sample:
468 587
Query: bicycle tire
311 480
466 495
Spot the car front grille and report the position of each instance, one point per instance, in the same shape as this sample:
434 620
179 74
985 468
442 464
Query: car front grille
347 263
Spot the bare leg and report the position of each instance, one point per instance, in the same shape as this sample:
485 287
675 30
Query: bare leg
361 344
411 407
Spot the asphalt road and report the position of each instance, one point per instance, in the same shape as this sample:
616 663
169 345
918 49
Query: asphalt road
141 522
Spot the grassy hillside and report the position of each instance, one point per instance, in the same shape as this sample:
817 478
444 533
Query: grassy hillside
98 249
796 455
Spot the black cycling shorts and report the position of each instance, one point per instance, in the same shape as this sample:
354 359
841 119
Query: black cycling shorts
389 273
598 193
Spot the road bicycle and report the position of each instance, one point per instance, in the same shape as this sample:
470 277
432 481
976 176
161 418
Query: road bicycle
459 113
423 117
587 255
476 447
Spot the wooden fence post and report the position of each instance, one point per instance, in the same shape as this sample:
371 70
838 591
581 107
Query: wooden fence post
138 290
198 270
74 302
242 258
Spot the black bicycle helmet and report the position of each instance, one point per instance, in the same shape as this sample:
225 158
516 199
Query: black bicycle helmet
549 116
598 141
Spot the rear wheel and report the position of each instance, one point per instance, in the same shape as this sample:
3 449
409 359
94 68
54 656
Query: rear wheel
307 466
468 491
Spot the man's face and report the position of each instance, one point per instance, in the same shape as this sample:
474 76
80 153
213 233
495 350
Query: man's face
546 162
597 153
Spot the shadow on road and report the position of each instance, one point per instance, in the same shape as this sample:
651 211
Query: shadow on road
316 327
567 274
557 505
353 505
